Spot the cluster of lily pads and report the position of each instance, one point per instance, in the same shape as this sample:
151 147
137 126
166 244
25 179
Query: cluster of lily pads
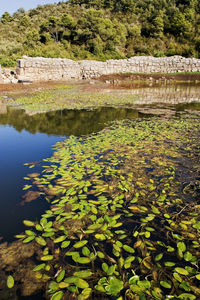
119 222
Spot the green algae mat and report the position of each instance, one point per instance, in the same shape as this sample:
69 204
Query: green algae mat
123 220
68 97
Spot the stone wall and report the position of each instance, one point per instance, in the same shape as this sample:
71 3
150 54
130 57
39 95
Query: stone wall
56 69
37 68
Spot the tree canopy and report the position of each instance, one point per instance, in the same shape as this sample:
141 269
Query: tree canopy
102 29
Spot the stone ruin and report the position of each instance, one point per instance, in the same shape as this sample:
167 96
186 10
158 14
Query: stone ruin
8 76
32 69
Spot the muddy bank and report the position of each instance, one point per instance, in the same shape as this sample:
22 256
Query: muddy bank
29 87
124 81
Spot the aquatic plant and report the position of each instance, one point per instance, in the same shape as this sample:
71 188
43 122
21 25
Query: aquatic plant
70 97
121 222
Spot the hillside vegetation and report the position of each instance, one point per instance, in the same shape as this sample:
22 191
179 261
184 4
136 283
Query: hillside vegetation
102 29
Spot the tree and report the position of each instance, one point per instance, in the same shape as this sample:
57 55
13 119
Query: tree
180 26
25 21
157 27
32 38
52 26
6 18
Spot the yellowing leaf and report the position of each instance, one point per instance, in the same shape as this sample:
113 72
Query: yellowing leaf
10 282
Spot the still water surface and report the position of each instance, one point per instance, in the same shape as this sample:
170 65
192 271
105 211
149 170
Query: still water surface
25 138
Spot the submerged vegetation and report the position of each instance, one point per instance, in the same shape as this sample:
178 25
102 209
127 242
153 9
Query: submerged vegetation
123 220
70 97
102 29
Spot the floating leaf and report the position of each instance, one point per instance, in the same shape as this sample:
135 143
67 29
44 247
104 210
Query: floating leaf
48 234
85 251
28 223
187 296
20 236
83 274
63 285
185 286
181 246
134 208
159 257
29 239
189 257
100 254
10 282
100 236
29 232
82 284
177 277
79 282
60 239
47 257
39 267
80 244
83 260
60 276
134 279
65 244
38 227
166 284
40 241
128 249
105 267
181 271
169 264
57 296
145 284
85 294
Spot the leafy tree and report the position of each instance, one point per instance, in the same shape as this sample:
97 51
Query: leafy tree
157 27
25 21
32 38
6 18
179 25
51 26
102 29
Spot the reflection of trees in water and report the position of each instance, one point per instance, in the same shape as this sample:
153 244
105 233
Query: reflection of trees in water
66 122
173 95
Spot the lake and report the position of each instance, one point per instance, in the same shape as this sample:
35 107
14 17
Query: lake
30 138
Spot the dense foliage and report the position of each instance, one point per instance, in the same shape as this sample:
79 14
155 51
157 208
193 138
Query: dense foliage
102 29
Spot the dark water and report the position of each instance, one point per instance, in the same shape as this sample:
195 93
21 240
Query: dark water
25 139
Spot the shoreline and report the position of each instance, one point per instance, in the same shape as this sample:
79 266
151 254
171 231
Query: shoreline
123 80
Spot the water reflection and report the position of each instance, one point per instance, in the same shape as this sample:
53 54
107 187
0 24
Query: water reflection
66 122
169 95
